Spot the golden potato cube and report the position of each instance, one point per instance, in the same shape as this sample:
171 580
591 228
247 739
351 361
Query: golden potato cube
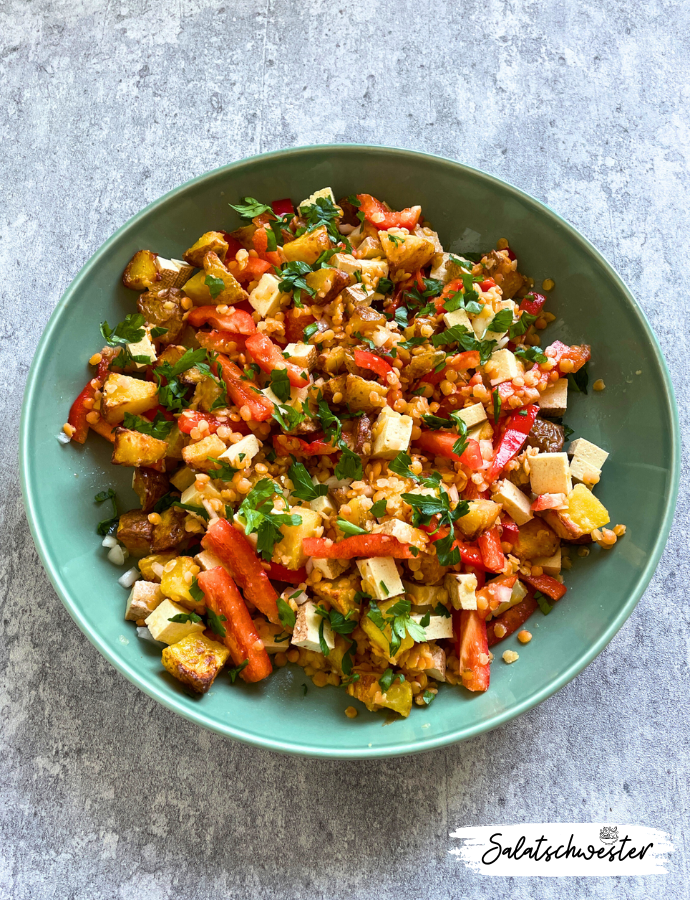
149 565
358 393
124 394
132 448
289 552
195 661
585 510
340 592
176 441
406 251
308 247
398 697
327 283
212 240
141 272
481 517
163 309
199 293
174 583
183 478
206 393
196 456
536 538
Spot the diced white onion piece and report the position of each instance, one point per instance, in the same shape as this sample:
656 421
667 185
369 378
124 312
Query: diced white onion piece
145 635
116 556
130 576
309 566
109 541
453 493
157 569
503 342
63 438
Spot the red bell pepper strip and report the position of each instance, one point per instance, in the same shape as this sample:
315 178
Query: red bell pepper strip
269 357
532 304
513 438
469 555
546 584
236 320
487 284
511 533
241 638
260 406
492 554
358 546
441 443
191 419
237 554
276 572
577 354
260 242
469 627
78 413
282 207
511 619
296 320
469 359
382 218
285 444
233 247
452 288
367 360
253 270
221 341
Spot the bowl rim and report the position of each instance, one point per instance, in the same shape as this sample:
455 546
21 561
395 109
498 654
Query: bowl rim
171 702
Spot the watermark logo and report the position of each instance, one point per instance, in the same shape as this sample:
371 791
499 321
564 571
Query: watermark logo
562 849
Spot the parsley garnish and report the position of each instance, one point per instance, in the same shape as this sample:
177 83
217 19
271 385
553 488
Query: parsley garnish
349 528
158 428
108 526
579 380
427 697
387 679
129 331
398 617
467 340
500 322
349 465
215 285
257 512
183 618
250 208
302 485
286 614
235 671
280 384
441 610
158 331
531 354
497 406
222 469
544 604
292 275
521 326
215 622
310 330
379 508
342 624
323 212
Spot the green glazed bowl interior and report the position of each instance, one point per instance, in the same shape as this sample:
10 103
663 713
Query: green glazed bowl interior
470 210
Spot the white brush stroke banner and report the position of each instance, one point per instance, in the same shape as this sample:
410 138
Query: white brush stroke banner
560 850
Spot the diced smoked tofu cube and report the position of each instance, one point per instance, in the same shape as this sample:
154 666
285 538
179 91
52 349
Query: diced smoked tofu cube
554 400
439 627
457 317
514 502
437 670
380 577
587 461
405 533
325 193
503 366
330 568
182 479
265 298
323 505
207 561
306 631
243 452
274 637
550 564
473 415
444 269
173 272
549 473
356 295
144 597
201 454
426 595
462 591
392 434
304 355
195 661
144 347
123 394
162 629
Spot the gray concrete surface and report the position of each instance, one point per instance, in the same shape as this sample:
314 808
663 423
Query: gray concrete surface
104 106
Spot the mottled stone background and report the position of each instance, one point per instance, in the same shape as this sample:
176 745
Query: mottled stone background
104 106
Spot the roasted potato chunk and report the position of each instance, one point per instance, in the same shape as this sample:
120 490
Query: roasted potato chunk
198 291
132 448
175 586
195 661
308 247
423 364
340 593
211 241
170 534
206 393
147 563
481 517
331 361
156 308
196 456
150 485
536 539
141 272
504 272
135 531
406 251
124 394
288 552
398 697
358 393
327 283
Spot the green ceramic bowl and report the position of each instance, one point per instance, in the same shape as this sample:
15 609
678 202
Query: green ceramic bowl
635 419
